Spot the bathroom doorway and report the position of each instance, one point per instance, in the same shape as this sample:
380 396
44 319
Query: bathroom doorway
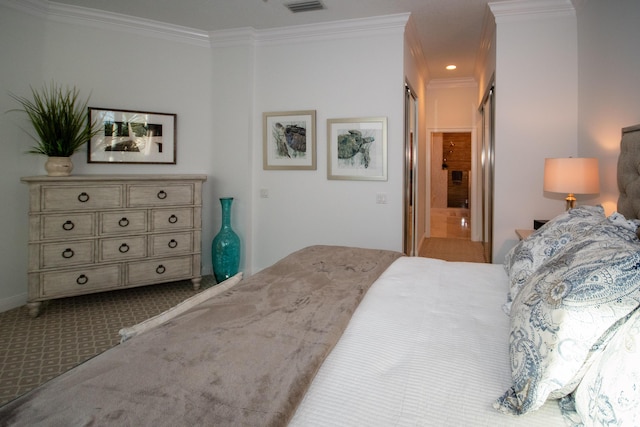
451 181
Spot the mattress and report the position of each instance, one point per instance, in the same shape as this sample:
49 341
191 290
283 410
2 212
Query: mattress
428 346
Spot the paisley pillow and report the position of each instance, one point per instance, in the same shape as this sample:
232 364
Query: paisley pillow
566 312
529 254
609 393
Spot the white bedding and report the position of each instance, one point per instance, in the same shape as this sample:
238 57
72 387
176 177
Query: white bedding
428 346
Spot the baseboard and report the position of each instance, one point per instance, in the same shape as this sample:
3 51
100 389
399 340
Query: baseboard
13 302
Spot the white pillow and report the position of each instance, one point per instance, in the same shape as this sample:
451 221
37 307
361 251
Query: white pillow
566 312
609 393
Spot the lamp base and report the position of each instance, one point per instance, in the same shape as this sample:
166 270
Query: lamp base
571 201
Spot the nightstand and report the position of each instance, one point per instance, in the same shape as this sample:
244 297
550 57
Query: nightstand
523 234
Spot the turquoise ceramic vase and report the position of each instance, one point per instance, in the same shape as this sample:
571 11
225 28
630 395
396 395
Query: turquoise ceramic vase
225 248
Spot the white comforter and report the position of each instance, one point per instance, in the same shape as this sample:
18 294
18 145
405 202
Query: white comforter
428 346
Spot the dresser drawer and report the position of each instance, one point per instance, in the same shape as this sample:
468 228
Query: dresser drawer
159 270
171 219
123 222
171 243
63 198
122 248
161 195
79 281
66 226
66 253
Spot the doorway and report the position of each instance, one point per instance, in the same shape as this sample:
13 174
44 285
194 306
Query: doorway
451 181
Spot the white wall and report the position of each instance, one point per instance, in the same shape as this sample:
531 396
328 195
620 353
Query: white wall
355 75
232 119
21 45
609 76
536 115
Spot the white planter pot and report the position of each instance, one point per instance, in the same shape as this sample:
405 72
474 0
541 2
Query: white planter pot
58 166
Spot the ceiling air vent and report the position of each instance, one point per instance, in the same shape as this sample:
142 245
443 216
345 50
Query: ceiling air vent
305 6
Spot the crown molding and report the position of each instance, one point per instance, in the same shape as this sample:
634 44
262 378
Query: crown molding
233 37
39 8
363 27
452 83
108 20
388 24
518 10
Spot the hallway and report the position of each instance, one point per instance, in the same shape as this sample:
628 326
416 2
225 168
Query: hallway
450 237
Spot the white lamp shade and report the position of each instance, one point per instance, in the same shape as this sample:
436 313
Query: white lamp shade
572 175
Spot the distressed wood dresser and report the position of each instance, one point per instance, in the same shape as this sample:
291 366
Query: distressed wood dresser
94 233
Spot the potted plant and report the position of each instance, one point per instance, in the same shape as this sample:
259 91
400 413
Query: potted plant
60 121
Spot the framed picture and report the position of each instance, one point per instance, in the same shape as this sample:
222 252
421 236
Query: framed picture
132 137
289 140
357 149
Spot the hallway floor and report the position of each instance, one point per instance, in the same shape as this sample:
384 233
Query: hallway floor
451 237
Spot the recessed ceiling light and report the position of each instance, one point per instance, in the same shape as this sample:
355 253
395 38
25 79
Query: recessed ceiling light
451 67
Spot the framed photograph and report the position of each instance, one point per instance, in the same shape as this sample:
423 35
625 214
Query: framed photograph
289 140
357 149
132 137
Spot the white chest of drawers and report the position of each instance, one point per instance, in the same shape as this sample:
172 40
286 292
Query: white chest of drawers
93 233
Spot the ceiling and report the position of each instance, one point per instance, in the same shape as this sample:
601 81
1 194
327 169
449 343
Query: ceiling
449 30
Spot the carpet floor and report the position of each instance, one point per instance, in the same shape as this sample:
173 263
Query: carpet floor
69 331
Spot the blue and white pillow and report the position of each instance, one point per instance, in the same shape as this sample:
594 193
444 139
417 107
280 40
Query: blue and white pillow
566 312
529 254
609 393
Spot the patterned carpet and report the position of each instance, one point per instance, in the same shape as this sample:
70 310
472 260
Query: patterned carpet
70 331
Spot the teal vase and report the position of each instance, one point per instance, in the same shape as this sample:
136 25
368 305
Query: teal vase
225 248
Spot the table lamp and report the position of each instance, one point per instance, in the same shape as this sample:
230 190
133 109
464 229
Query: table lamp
572 175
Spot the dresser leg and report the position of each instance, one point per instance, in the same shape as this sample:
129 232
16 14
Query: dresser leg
196 283
34 308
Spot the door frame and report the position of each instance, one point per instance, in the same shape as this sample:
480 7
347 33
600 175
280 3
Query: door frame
487 110
410 208
474 177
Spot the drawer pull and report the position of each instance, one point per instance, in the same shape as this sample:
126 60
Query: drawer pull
173 219
162 194
83 197
68 253
68 225
172 243
82 279
161 269
123 222
124 248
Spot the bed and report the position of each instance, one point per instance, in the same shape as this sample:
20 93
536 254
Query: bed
341 336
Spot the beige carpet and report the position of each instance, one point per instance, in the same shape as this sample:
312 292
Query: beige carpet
72 330
452 249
